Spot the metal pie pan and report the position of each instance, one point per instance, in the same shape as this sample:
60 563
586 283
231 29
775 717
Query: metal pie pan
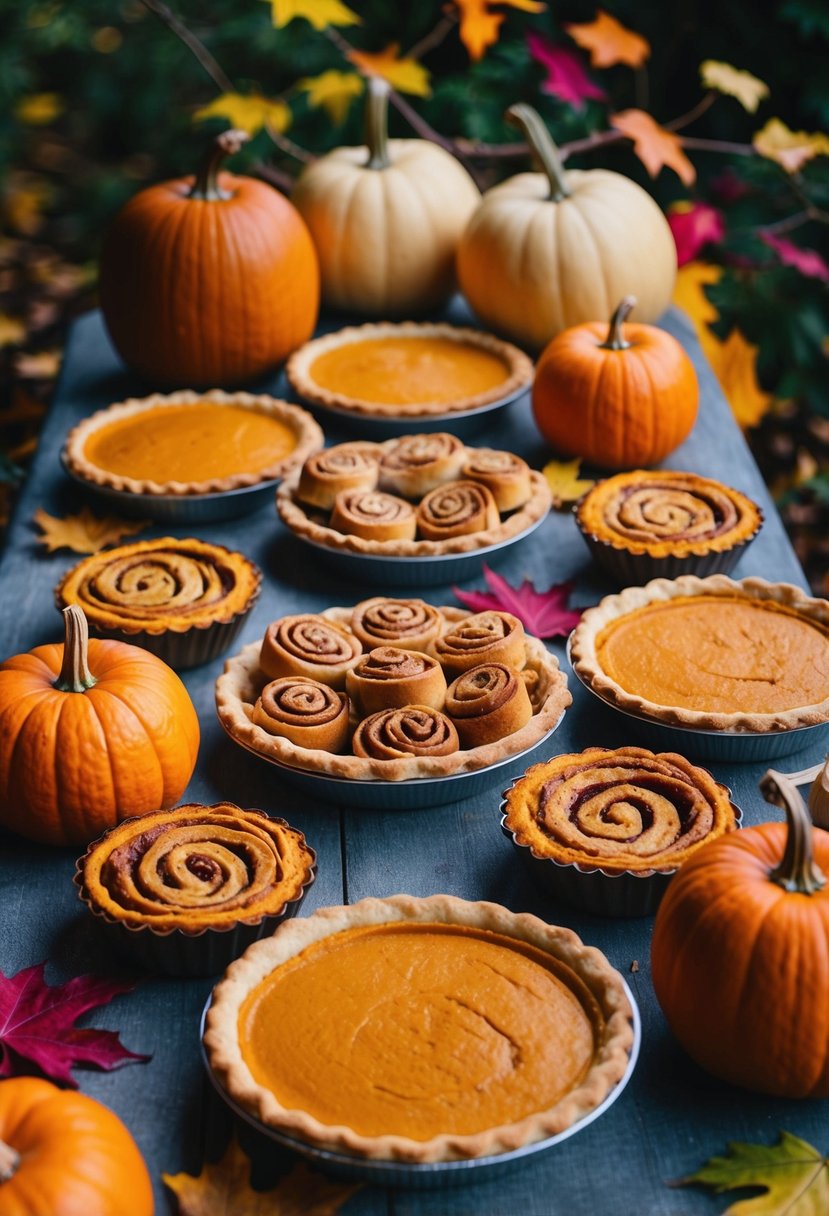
431 1174
389 426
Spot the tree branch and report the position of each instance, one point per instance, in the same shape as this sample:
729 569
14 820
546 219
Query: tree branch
685 120
429 41
196 47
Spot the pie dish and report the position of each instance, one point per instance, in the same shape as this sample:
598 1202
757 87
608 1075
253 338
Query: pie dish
186 890
185 600
408 370
648 523
533 1028
606 829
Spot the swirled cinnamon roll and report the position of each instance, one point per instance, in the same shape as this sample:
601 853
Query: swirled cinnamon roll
456 509
389 677
488 702
382 621
346 466
415 464
305 711
414 730
309 645
485 637
373 515
506 476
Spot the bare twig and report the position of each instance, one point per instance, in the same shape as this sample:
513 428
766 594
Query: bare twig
288 145
717 145
214 69
282 181
429 41
685 120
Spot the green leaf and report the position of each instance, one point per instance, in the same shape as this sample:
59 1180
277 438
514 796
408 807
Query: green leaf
792 1174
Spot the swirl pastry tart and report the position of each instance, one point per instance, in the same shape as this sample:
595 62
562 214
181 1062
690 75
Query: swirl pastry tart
507 477
414 730
416 464
374 515
346 466
626 815
389 677
487 703
456 509
187 889
383 621
185 600
309 645
305 711
485 637
427 1060
661 522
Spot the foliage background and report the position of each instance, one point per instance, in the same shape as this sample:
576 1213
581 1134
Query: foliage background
99 98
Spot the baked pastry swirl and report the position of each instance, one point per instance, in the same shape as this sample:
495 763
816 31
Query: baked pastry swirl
374 515
309 645
456 509
414 730
410 623
305 711
488 702
389 677
485 637
346 466
415 464
505 475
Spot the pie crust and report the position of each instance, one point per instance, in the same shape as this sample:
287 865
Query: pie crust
611 1022
518 369
586 662
308 435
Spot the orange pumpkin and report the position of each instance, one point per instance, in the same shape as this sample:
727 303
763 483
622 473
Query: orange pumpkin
740 949
620 399
90 733
66 1155
208 281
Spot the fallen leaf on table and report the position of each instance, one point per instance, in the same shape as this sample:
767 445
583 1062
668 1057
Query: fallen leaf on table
793 1175
565 484
224 1189
748 90
84 532
543 613
406 74
37 1025
609 42
791 149
655 146
481 24
566 78
735 365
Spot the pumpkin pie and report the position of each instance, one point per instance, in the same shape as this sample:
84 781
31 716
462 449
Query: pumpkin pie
709 654
189 443
648 523
408 370
419 1029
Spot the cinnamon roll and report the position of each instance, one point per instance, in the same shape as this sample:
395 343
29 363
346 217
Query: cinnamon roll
410 624
305 711
309 645
373 515
346 466
415 464
414 730
485 637
389 677
488 702
456 509
506 476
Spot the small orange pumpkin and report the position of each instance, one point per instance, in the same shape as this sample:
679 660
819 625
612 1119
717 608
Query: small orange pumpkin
739 953
617 399
210 281
66 1155
90 733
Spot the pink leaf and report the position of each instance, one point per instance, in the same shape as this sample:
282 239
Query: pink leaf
694 225
807 261
566 78
543 613
37 1025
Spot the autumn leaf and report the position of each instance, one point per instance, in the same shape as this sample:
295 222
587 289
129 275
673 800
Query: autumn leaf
563 479
40 365
748 90
689 294
480 23
224 1189
84 532
566 78
39 109
405 75
792 1174
654 145
694 225
543 613
333 90
12 331
319 13
609 42
249 112
808 261
791 149
735 365
37 1025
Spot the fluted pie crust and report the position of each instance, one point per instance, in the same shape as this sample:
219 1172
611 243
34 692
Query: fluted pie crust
518 370
564 965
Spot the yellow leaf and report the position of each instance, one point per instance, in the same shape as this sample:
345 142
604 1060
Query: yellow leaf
319 12
689 294
480 24
12 331
38 109
250 112
748 90
224 1190
609 42
735 365
564 481
333 90
791 149
22 202
405 75
84 532
793 1176
654 146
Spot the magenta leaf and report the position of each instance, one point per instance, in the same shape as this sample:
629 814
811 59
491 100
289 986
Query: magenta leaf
807 261
693 227
37 1025
566 77
543 613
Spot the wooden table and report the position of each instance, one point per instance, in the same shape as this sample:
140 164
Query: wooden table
672 1116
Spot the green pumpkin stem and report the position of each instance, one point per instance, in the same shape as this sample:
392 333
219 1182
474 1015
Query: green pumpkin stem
206 184
9 1162
75 675
615 339
376 121
797 871
538 137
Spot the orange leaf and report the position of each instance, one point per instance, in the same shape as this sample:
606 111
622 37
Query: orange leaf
654 146
84 532
609 42
480 25
405 75
224 1190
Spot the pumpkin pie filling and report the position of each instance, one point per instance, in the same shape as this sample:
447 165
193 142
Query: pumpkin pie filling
420 1030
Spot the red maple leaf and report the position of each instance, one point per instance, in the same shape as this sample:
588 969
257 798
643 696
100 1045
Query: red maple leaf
37 1025
544 613
566 78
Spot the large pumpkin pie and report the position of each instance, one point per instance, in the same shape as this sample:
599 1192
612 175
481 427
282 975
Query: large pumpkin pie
408 370
420 1029
191 443
712 654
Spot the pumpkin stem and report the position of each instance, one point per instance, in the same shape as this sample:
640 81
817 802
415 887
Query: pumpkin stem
376 122
75 675
538 137
615 339
797 870
206 184
9 1161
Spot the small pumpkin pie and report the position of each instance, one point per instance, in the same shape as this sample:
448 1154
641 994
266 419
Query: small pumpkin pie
186 890
420 1030
660 522
184 600
407 370
190 443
